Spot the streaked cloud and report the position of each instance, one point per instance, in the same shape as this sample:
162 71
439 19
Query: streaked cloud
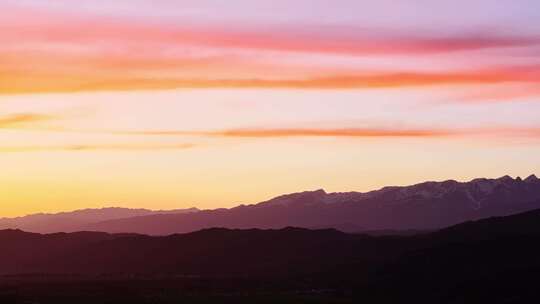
509 131
23 119
98 147
302 132
36 83
98 53
40 26
504 93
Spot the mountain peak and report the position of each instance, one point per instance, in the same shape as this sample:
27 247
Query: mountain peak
304 193
319 191
531 178
299 197
506 178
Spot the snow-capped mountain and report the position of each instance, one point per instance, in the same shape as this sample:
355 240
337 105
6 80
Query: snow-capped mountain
428 205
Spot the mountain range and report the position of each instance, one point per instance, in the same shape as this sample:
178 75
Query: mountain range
77 220
424 206
494 258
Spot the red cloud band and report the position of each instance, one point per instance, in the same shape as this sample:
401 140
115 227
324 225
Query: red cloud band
105 54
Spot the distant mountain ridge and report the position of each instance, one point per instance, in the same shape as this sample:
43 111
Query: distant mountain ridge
424 206
76 220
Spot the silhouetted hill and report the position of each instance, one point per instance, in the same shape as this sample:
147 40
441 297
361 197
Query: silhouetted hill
213 251
495 259
425 206
220 251
525 224
76 220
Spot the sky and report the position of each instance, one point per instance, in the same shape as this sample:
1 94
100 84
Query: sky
213 103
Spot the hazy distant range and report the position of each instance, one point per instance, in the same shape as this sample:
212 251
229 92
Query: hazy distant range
424 206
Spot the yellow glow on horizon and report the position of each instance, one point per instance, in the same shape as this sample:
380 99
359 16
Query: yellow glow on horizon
214 177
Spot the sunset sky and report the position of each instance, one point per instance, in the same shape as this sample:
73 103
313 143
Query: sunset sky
213 103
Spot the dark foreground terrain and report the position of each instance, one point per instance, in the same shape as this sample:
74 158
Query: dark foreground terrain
496 260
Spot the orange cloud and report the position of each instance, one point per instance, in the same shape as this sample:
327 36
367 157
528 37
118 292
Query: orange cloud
93 147
305 132
348 132
22 119
34 83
